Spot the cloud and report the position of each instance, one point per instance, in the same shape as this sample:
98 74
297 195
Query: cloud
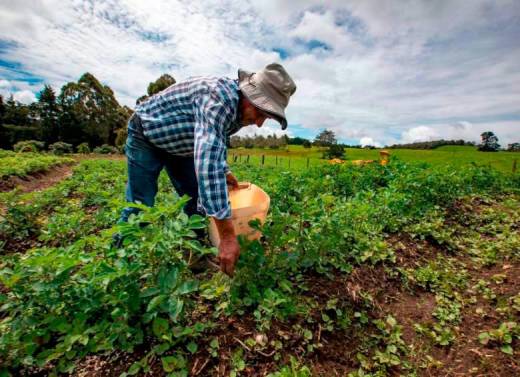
24 96
269 128
420 133
506 131
388 71
368 141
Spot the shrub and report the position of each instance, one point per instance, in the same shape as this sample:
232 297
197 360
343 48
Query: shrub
334 151
83 148
106 149
29 146
307 144
60 148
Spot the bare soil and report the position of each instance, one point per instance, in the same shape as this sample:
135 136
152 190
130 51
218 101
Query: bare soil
37 181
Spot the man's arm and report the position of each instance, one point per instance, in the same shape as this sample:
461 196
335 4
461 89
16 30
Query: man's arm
211 116
229 250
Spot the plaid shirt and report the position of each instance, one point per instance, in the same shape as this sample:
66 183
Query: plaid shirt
196 117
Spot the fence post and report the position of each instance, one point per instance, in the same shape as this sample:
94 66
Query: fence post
276 162
263 159
289 162
514 166
307 162
248 159
235 158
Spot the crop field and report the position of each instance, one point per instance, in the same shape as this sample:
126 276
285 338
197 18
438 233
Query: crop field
409 269
456 156
22 164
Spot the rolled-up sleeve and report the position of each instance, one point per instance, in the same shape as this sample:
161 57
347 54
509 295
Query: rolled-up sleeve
211 117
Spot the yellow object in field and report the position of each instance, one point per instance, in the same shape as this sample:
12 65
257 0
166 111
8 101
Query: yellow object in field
336 161
248 202
385 157
361 162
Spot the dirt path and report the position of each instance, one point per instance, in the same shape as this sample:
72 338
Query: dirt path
38 181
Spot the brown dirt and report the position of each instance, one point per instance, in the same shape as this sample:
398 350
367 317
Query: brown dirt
37 181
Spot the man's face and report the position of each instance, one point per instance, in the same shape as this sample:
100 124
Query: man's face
252 115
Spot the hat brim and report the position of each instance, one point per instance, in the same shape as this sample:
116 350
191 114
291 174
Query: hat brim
259 99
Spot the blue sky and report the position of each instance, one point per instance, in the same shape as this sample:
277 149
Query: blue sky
374 72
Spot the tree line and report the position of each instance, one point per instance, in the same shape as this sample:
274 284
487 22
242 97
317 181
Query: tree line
85 111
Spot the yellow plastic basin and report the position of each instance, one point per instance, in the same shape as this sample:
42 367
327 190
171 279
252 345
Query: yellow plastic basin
248 202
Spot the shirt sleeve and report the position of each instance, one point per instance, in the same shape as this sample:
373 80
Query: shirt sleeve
211 117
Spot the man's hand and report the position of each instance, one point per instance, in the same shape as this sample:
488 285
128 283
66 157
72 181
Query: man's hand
231 181
229 250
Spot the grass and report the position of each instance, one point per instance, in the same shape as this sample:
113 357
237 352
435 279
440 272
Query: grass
448 155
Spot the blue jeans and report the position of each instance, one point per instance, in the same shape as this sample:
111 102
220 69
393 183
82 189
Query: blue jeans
145 162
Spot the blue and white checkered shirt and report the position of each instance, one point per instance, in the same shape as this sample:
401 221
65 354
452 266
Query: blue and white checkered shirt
195 117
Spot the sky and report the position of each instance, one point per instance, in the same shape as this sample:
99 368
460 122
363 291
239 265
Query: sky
374 72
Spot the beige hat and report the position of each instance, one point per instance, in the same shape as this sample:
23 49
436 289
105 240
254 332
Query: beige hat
268 89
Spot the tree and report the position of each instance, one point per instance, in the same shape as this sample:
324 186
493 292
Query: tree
2 110
90 108
156 86
325 138
307 143
514 147
49 115
489 142
334 151
297 140
16 113
160 84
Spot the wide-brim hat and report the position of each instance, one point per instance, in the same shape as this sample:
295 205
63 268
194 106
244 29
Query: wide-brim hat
268 89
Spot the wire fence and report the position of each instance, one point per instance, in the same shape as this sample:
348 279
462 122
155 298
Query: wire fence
276 161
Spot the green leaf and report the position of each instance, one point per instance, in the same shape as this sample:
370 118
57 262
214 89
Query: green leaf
187 287
391 321
161 348
171 363
192 347
507 349
134 369
149 292
168 281
484 338
160 326
155 302
197 222
175 308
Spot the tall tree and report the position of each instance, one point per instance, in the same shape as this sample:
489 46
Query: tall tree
160 84
94 107
489 142
49 115
325 138
156 86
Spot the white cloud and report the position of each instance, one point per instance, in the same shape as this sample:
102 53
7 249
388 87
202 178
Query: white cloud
269 128
322 28
396 70
368 141
24 96
420 133
506 131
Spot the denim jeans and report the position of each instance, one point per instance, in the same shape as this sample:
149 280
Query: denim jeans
145 162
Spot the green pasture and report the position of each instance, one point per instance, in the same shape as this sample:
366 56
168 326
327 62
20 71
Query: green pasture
296 156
